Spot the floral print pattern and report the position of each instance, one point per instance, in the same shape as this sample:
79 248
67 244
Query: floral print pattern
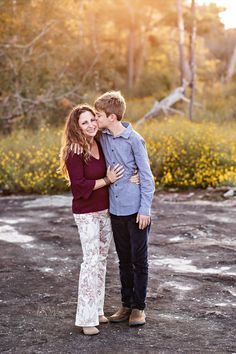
95 236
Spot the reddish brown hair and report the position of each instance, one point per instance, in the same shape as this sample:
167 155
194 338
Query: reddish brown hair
72 134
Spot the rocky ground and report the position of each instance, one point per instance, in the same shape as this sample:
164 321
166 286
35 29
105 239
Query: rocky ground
192 293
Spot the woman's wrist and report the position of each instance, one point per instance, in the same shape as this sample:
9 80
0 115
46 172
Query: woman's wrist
107 180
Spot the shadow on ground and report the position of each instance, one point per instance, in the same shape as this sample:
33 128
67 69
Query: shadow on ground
191 297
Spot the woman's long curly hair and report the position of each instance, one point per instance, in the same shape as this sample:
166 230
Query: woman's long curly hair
72 134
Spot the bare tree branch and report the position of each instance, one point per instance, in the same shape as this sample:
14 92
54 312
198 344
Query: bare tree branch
44 31
165 104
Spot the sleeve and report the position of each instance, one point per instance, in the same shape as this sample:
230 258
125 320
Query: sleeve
147 184
80 186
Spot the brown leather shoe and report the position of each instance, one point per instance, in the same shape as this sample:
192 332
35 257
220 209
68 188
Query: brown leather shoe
121 315
137 318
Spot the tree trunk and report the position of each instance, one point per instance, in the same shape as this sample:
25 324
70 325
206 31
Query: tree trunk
192 58
182 60
130 60
131 46
166 104
232 66
95 47
14 7
140 58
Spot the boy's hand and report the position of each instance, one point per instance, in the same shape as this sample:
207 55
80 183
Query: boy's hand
76 148
143 221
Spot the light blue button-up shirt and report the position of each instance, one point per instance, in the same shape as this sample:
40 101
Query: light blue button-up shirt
128 149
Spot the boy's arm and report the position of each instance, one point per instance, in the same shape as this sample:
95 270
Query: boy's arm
146 179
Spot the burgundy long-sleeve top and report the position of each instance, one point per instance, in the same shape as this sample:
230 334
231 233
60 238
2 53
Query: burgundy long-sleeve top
83 177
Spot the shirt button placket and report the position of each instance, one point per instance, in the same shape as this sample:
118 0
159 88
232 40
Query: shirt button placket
113 156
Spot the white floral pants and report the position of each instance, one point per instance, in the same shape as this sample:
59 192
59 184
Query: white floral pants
95 236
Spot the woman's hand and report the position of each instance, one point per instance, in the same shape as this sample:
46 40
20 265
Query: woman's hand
76 148
115 173
135 178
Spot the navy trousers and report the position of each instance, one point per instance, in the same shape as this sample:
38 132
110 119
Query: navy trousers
132 249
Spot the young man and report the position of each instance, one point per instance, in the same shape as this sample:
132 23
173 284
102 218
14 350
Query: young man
130 204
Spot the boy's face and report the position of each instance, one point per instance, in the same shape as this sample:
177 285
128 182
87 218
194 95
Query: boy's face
102 119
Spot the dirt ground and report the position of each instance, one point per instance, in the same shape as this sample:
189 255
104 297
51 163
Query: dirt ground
191 303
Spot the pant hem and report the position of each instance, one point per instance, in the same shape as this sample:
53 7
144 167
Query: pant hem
138 308
86 324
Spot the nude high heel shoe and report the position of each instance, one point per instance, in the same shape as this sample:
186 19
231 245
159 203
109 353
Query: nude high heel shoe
90 331
103 319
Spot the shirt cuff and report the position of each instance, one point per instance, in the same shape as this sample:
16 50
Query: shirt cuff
144 211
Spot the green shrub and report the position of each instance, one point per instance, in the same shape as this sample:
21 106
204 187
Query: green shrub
182 154
185 154
29 162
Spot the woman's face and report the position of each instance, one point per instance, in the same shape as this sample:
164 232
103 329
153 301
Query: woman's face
88 124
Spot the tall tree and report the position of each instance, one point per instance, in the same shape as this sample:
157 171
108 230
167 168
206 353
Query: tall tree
131 45
232 65
192 57
183 64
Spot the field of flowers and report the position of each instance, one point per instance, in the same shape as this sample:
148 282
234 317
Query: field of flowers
182 154
185 154
29 162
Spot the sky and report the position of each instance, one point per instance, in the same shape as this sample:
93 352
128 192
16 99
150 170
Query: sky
228 17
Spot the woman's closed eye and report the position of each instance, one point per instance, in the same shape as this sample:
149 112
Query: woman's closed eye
92 120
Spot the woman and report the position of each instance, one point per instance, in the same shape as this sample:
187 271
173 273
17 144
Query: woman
89 179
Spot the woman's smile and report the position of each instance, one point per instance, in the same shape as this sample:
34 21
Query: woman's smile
88 124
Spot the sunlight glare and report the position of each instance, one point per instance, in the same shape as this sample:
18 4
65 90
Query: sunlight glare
228 16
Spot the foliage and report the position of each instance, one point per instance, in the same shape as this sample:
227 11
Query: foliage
182 154
185 154
29 162
55 54
219 102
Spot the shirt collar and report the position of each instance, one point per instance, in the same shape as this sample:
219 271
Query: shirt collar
125 134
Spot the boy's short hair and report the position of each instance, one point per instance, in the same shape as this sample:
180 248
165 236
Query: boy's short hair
111 102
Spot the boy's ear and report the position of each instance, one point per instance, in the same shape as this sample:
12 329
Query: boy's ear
113 117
